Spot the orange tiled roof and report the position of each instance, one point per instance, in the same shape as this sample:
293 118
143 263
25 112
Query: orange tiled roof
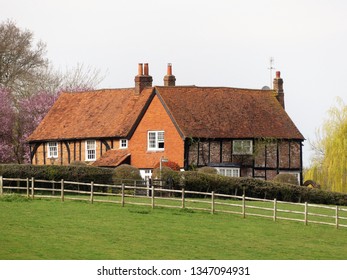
204 112
112 158
218 112
94 114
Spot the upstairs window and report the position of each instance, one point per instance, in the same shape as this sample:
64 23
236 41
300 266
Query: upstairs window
156 140
90 150
52 149
123 144
242 147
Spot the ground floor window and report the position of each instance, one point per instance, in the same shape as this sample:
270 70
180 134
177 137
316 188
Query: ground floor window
230 172
146 174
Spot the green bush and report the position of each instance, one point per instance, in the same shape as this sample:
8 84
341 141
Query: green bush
83 174
202 182
126 171
208 170
286 178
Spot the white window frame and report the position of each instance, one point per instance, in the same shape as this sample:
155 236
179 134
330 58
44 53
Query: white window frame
146 173
52 149
246 147
228 171
159 138
90 151
123 143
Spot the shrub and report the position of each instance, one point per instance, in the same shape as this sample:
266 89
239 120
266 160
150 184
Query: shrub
208 170
286 178
84 174
171 164
126 171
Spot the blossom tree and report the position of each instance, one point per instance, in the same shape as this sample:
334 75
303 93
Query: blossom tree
7 120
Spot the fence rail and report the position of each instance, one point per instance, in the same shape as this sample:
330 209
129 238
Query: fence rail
157 196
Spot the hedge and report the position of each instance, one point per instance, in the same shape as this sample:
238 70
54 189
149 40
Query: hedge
202 182
78 173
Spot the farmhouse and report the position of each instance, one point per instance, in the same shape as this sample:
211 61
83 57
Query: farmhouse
240 132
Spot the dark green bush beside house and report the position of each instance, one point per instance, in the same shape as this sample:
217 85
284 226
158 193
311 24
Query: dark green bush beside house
84 174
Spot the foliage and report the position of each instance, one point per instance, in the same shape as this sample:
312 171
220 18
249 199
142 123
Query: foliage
329 165
57 172
286 178
7 115
171 164
208 170
21 61
126 171
202 182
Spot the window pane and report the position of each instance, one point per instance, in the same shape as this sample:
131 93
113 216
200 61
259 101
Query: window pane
151 140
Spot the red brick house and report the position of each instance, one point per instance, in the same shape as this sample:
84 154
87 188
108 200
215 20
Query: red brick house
241 132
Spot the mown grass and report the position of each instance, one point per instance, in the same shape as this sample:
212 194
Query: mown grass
50 229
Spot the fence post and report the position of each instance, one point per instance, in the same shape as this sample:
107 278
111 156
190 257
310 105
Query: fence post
183 199
62 190
306 213
28 187
122 200
337 217
32 187
1 186
91 192
275 209
243 206
152 196
212 202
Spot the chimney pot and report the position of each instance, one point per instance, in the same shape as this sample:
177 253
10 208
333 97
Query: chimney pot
278 74
169 69
140 69
146 69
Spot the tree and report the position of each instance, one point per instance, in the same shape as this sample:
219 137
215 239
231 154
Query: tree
7 119
20 61
329 164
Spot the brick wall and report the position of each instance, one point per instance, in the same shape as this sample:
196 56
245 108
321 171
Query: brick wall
156 119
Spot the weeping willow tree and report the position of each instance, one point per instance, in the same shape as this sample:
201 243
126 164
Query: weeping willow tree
329 164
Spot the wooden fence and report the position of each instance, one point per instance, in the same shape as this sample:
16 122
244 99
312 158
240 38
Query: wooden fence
139 193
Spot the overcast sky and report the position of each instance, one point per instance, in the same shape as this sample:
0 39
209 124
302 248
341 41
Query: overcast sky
209 43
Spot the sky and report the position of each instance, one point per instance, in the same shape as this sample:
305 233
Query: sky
209 43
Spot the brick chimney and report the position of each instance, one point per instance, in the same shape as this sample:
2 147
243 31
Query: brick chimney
278 88
169 79
143 79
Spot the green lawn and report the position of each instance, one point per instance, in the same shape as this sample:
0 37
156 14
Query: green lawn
50 229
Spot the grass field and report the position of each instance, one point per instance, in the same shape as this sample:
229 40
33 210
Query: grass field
50 229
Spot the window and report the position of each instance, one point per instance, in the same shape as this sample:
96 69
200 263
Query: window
90 150
146 174
52 148
242 147
230 172
123 144
156 140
